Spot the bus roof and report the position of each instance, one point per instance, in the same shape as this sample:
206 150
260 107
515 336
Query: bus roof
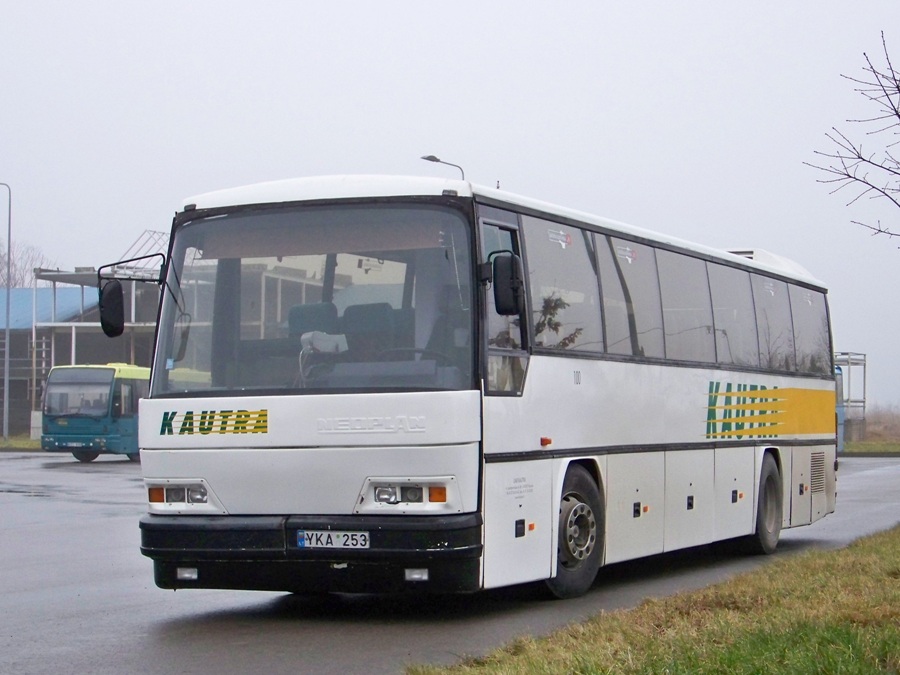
362 186
330 187
125 370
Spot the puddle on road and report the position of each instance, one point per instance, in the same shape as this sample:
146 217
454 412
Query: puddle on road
26 491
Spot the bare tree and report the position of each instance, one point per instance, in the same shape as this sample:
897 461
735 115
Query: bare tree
24 259
866 172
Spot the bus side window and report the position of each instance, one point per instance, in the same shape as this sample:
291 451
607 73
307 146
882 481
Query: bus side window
773 322
565 295
631 300
812 340
733 316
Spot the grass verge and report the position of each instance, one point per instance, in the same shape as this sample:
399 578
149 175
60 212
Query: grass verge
817 612
21 442
872 447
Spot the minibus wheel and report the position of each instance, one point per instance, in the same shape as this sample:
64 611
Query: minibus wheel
86 456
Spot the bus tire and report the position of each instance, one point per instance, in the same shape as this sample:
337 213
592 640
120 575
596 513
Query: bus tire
581 535
83 456
134 456
769 509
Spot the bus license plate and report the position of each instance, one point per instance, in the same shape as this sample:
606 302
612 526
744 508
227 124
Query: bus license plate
332 539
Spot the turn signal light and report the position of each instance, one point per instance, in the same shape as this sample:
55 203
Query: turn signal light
437 493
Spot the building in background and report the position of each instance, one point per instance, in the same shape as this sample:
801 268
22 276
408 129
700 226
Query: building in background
57 323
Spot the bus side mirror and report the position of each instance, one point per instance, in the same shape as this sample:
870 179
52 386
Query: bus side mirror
509 284
112 307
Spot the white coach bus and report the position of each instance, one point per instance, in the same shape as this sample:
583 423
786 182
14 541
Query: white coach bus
377 384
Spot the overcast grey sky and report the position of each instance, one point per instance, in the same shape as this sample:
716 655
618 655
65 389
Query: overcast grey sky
689 118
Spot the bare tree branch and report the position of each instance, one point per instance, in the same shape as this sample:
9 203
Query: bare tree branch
24 259
870 174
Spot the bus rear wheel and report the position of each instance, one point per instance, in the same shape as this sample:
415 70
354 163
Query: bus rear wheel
581 535
769 509
83 456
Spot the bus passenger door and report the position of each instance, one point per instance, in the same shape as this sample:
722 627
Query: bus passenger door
124 412
505 334
517 488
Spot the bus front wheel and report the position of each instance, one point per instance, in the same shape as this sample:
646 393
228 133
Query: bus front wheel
85 456
581 535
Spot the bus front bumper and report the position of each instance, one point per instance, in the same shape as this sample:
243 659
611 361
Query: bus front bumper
82 443
431 553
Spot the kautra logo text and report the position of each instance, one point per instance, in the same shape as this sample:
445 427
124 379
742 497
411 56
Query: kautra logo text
738 410
215 422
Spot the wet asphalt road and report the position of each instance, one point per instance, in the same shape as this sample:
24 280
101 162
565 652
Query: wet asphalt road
77 596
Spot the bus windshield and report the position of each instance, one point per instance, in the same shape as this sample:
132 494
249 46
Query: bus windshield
78 391
318 299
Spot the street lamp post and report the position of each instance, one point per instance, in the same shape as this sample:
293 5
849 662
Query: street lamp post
432 158
6 330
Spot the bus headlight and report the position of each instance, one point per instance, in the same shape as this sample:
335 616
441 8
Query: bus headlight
181 496
197 494
387 494
409 495
394 494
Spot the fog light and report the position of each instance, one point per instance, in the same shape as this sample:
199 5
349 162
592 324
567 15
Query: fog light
187 574
414 574
175 495
411 494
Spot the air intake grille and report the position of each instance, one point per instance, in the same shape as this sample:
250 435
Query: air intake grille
817 472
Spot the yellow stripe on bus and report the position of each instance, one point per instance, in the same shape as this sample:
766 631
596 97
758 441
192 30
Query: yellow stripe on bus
772 412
